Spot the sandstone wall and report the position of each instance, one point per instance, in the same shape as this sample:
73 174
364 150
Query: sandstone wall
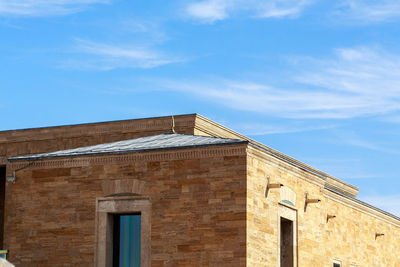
198 201
349 237
40 140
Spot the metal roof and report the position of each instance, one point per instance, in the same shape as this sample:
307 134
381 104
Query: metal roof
155 142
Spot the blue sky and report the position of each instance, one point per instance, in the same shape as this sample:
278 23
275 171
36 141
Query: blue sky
318 80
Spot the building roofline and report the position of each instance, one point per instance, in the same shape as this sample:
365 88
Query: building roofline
211 128
201 125
333 192
44 156
90 123
121 153
160 124
367 208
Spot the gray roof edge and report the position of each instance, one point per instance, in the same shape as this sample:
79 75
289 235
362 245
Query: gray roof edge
33 157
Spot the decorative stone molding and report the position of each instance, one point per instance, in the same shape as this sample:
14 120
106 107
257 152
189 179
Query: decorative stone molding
159 155
340 186
199 125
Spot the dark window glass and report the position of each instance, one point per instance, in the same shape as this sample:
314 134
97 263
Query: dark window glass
126 240
286 243
336 265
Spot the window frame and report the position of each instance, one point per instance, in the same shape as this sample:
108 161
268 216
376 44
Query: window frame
106 208
289 213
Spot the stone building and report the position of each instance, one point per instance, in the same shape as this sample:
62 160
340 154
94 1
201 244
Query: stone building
105 194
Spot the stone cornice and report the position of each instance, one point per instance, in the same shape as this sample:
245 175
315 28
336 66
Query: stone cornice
192 123
328 192
206 126
362 207
160 124
157 155
299 173
209 127
338 185
316 178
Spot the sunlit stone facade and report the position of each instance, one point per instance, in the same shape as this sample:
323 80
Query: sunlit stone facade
234 203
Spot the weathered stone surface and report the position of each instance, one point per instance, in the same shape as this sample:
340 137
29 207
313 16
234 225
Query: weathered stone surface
209 205
349 237
51 212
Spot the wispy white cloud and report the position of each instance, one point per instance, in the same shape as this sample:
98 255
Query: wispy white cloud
353 83
369 11
389 203
44 7
209 11
264 129
101 56
368 79
146 30
351 138
344 168
281 8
